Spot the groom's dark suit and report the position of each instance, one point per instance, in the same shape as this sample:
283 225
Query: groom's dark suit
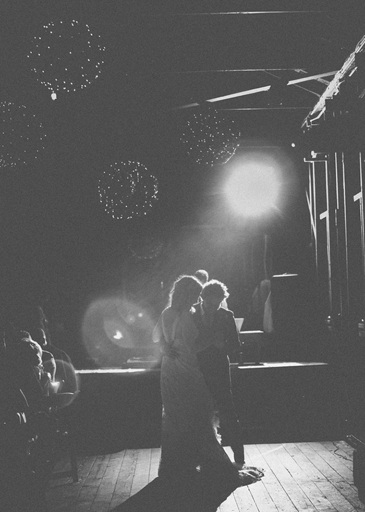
219 340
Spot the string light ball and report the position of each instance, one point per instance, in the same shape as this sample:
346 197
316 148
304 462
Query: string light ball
66 57
127 190
145 248
209 137
22 135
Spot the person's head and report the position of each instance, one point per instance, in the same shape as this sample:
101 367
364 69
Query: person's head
25 350
213 293
202 275
40 337
185 292
21 334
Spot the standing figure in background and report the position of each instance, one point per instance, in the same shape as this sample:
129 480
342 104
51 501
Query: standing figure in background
203 277
218 343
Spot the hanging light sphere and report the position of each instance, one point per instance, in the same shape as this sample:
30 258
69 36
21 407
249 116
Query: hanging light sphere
22 136
66 56
209 137
143 248
127 190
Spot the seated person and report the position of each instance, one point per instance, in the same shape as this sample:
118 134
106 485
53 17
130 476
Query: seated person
64 372
25 362
18 480
48 359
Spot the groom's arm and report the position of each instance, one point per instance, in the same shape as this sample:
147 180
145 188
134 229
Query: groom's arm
232 341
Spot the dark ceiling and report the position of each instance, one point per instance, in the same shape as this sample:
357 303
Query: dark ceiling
265 63
164 55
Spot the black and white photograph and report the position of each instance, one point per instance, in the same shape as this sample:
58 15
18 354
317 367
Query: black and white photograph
182 256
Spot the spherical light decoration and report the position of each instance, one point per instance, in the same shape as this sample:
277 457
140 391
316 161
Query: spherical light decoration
209 137
144 248
67 56
127 190
22 135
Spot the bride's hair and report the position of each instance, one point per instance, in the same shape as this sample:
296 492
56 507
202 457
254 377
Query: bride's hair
184 292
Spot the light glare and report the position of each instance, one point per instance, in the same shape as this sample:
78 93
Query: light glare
253 189
111 326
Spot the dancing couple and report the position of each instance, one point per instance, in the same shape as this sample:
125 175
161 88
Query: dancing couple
194 333
195 473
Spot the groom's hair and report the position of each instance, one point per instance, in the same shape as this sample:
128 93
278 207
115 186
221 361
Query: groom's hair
215 288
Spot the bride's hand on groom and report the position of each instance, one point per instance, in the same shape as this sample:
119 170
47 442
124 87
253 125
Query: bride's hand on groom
169 351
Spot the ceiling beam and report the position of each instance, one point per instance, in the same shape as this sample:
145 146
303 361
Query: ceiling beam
279 78
242 70
238 13
266 108
256 90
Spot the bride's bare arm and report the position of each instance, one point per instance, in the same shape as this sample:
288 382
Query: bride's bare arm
158 336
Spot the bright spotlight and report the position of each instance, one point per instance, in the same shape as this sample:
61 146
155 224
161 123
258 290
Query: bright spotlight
253 188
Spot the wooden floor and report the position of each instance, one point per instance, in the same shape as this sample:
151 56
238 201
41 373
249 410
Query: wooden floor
314 476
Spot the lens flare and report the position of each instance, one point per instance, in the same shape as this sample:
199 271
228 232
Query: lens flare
67 380
114 328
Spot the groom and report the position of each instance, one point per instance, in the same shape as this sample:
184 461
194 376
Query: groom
218 339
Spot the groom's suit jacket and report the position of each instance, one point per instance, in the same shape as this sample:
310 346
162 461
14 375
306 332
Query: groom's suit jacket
221 333
216 342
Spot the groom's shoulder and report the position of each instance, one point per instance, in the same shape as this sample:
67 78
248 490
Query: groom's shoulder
225 313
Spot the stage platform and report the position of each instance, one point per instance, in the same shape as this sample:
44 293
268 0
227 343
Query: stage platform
120 408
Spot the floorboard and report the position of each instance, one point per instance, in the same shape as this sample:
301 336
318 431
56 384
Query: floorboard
311 477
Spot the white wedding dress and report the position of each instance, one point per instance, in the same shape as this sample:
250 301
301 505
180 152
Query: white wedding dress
189 438
195 473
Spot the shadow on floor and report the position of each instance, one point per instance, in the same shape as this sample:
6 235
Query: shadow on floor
188 494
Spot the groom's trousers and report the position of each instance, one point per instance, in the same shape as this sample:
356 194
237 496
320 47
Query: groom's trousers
214 364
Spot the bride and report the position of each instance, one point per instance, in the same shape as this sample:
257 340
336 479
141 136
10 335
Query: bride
189 446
